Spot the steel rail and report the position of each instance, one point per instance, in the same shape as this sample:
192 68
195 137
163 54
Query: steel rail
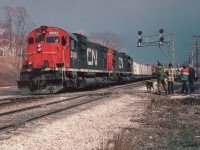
38 106
47 113
14 100
18 124
127 85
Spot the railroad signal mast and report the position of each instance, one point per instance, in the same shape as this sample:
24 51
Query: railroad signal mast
164 42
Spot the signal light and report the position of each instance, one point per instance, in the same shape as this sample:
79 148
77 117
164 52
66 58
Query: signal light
161 38
139 32
161 31
139 39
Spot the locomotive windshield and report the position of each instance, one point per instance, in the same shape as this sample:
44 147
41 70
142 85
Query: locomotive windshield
39 39
52 39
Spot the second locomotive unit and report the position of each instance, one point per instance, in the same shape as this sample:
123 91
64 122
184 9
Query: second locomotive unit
58 60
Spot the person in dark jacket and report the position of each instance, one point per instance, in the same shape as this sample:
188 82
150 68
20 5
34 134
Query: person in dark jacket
191 77
160 74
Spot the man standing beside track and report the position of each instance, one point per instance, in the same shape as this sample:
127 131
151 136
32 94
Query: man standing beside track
160 74
184 79
170 79
191 77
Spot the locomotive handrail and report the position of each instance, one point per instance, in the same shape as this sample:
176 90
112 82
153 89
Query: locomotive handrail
30 53
49 52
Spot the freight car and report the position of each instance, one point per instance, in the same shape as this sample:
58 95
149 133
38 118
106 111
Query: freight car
57 60
142 72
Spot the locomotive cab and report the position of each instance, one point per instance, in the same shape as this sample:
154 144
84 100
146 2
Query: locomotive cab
47 47
47 55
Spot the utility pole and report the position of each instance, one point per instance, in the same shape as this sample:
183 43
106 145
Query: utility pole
197 59
191 59
164 42
197 53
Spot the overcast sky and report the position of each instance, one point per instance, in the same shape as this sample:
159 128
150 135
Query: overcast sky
123 17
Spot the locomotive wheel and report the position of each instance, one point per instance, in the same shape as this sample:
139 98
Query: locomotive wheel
42 85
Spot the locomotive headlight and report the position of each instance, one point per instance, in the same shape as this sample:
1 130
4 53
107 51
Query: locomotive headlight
39 45
29 64
39 49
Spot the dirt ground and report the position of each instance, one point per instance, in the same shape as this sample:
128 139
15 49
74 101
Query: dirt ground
128 120
170 123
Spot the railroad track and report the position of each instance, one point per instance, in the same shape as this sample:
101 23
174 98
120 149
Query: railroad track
29 98
128 86
21 99
19 117
16 118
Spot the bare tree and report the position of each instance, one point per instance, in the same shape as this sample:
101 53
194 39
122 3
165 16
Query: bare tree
16 25
12 42
4 40
108 39
22 27
9 26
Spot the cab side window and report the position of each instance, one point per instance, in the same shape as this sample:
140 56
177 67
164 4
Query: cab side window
30 41
73 44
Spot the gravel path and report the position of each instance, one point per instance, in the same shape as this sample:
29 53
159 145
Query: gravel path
84 130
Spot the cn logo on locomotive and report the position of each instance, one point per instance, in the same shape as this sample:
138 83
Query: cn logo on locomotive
91 57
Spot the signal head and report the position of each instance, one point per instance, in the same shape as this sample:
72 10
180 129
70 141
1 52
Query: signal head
161 31
140 40
139 32
161 39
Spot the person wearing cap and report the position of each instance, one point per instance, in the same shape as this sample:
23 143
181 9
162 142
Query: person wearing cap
160 74
170 78
191 77
184 79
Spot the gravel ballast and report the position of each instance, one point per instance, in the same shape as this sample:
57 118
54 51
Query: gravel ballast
84 130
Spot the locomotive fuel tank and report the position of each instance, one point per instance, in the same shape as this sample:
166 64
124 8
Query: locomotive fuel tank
92 82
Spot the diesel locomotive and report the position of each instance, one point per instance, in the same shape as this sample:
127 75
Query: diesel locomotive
57 60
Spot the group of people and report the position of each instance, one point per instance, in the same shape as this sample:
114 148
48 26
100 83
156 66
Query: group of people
170 73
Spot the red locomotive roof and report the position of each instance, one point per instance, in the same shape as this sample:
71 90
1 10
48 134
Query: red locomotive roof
53 28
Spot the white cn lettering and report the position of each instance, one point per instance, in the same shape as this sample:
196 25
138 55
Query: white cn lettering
91 56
